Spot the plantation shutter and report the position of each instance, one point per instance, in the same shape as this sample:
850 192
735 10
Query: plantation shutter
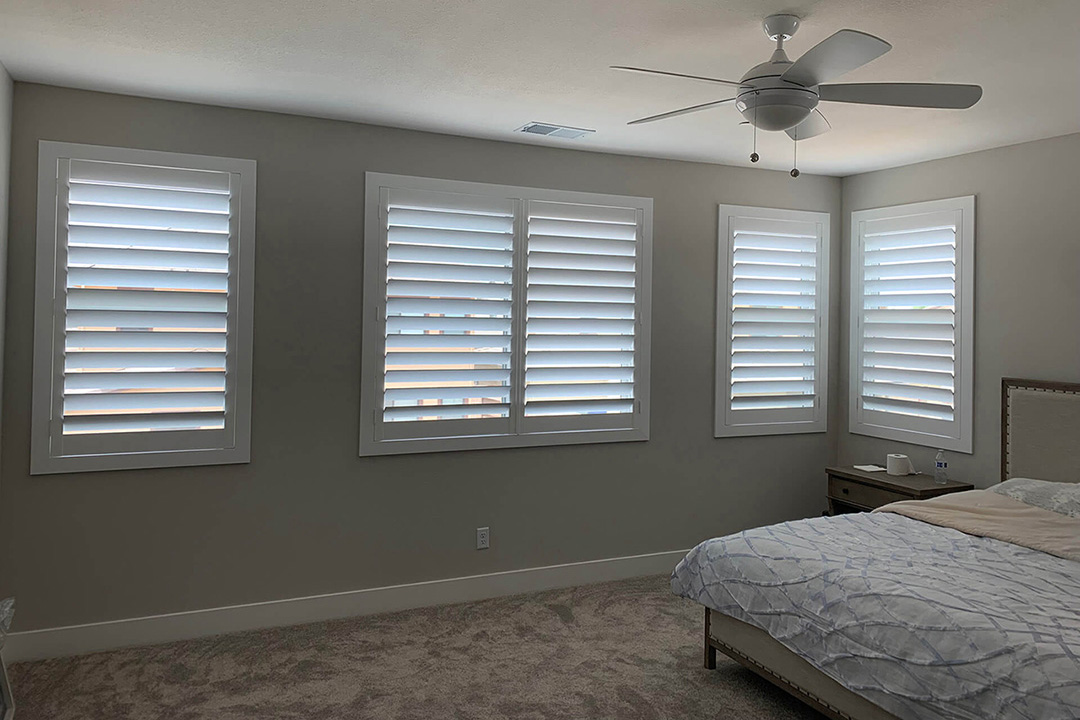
146 334
908 322
772 301
502 316
581 322
448 313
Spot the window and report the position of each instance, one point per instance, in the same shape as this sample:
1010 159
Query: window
142 354
772 306
912 297
502 316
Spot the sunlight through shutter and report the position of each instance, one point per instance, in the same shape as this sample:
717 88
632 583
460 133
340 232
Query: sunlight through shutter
908 290
775 300
909 316
502 316
146 299
580 317
449 298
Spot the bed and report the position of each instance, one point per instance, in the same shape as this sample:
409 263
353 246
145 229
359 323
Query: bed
902 614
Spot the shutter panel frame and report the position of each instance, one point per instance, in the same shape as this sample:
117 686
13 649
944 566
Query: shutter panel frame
122 420
577 281
583 357
493 218
772 310
903 336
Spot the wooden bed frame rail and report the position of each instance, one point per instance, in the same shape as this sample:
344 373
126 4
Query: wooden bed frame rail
817 703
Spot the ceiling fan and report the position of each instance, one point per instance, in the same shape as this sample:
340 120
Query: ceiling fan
781 95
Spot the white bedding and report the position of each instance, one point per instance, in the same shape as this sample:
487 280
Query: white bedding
925 621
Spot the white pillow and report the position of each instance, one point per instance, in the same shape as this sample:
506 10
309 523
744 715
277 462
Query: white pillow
1059 497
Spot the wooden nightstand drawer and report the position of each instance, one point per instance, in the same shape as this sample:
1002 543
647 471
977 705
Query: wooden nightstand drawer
862 495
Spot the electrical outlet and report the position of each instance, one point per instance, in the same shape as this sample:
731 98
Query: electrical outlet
483 538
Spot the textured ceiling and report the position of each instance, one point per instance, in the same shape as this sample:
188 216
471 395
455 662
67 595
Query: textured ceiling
485 67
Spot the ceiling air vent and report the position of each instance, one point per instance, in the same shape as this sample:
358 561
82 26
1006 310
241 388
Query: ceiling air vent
559 131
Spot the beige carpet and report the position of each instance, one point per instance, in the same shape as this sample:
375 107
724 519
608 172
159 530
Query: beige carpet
627 649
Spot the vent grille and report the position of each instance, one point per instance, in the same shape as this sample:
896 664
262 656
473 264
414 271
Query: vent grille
559 131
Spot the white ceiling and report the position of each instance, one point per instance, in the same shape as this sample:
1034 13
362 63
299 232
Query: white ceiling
485 67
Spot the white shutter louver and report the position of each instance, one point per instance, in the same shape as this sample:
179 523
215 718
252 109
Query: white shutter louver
772 302
908 323
580 317
502 316
145 342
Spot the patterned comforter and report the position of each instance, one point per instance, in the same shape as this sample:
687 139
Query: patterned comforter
924 621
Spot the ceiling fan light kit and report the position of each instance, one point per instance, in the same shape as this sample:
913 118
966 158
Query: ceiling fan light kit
782 96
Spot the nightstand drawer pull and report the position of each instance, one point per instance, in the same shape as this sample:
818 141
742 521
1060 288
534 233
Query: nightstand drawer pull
845 491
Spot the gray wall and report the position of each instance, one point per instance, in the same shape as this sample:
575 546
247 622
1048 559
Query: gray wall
7 88
307 515
1027 280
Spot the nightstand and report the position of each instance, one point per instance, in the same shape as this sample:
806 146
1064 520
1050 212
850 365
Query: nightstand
852 490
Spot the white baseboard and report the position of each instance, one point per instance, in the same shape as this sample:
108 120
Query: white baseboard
94 637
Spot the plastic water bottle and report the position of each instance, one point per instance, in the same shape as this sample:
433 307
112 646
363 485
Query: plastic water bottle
941 468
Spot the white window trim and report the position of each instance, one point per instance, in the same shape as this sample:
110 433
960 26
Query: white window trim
962 439
725 424
48 308
372 352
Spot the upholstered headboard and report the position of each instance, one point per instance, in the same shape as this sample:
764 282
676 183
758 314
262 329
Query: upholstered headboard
1040 430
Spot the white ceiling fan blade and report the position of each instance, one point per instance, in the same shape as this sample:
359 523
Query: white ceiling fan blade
678 75
837 54
815 124
682 111
922 95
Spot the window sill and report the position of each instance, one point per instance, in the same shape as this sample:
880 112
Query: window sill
913 437
137 461
370 447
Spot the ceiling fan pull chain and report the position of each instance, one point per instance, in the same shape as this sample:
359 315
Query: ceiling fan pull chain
754 157
795 155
